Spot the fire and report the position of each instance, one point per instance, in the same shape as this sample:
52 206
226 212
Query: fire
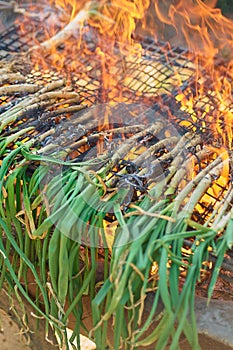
106 32
118 21
69 7
199 25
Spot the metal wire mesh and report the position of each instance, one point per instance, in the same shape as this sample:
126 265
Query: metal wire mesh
11 42
151 74
155 79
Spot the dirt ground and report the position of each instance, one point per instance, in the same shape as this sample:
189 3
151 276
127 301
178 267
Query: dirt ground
14 335
10 335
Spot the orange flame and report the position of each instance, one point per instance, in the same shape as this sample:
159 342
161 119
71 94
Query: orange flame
194 24
198 25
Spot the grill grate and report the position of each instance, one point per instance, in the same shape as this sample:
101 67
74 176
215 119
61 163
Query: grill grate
162 77
157 77
150 75
12 42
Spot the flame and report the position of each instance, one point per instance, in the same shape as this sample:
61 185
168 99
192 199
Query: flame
119 20
197 24
68 4
105 30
